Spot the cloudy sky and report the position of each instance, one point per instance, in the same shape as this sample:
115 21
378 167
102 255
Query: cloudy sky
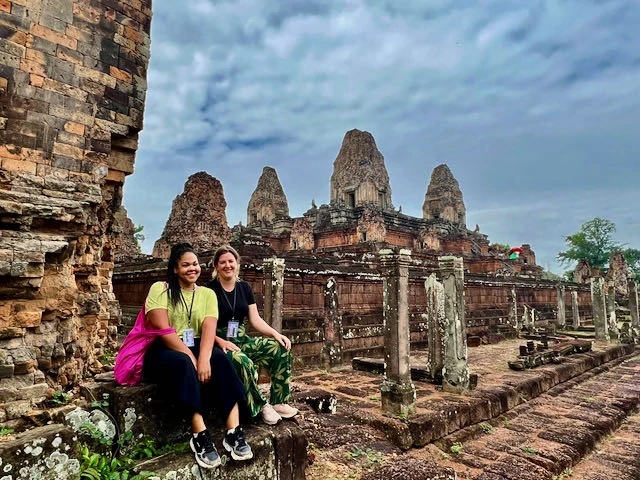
534 105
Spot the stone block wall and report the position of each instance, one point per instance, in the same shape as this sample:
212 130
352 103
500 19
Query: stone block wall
72 91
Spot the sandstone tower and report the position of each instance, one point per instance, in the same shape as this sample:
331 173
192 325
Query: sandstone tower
443 199
126 246
268 201
359 175
198 216
72 91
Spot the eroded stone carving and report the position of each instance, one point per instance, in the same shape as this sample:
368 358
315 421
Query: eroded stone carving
268 201
443 199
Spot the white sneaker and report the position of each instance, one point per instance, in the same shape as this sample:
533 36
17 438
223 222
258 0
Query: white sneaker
285 410
269 415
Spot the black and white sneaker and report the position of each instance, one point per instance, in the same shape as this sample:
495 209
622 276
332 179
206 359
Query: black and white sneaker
204 450
236 445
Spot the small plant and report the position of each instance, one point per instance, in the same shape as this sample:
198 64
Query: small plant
588 399
6 431
566 473
97 467
445 455
101 404
368 453
505 422
486 428
60 398
456 448
528 449
374 398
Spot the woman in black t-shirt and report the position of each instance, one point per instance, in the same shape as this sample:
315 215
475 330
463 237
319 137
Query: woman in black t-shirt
236 303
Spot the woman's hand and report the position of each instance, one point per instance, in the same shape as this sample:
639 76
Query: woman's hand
282 340
204 368
228 346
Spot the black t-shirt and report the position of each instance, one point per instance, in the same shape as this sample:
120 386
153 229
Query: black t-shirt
241 297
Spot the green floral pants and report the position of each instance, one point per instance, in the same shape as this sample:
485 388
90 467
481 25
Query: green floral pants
258 352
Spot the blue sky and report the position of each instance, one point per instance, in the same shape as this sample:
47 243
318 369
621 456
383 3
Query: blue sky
533 105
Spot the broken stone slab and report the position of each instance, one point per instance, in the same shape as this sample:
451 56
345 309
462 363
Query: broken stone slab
319 400
279 452
46 453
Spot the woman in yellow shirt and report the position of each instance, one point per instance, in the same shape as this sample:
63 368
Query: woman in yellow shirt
185 363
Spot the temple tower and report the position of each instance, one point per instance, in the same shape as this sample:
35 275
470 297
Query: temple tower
198 216
443 199
359 174
268 200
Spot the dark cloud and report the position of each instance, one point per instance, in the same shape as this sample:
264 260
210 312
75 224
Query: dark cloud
533 105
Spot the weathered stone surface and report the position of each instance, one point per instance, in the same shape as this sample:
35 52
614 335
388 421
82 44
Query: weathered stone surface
66 143
618 273
47 453
126 245
198 216
443 199
268 201
582 273
359 173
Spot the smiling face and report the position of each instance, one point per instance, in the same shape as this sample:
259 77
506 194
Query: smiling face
187 270
227 267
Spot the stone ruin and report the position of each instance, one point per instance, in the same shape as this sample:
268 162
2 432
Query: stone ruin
126 247
198 216
268 201
444 198
72 92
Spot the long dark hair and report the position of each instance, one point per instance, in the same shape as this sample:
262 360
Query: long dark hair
177 251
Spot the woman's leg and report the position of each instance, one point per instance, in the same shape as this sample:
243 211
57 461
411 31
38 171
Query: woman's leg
225 384
268 353
249 375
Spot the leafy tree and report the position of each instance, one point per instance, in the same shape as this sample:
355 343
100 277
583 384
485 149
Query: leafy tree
632 256
138 236
593 242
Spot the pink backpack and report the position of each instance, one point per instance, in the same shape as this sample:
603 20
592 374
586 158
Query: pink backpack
128 367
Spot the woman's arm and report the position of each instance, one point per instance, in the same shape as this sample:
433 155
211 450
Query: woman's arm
264 328
159 319
207 340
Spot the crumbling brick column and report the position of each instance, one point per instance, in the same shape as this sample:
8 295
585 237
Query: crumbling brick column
332 326
575 310
599 309
633 302
72 92
273 291
611 311
513 311
397 391
437 327
456 370
562 314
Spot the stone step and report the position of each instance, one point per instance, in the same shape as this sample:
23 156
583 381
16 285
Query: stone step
550 434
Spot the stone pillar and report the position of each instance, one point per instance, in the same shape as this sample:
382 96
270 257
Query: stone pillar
456 370
526 318
599 309
562 317
611 311
332 349
633 301
436 325
513 310
397 391
273 291
575 310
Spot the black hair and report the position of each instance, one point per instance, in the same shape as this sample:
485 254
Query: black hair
177 251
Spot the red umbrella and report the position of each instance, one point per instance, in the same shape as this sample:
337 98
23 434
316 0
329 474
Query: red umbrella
516 249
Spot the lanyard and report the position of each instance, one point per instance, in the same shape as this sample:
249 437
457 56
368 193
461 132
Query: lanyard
233 308
190 306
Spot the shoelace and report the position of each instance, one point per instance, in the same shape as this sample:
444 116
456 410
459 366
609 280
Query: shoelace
206 443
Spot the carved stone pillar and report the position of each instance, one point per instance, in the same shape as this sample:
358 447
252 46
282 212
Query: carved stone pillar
610 303
436 324
273 291
513 311
599 309
332 348
397 391
456 370
633 303
575 310
562 317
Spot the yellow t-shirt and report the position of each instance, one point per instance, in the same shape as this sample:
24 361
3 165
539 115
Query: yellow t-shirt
205 304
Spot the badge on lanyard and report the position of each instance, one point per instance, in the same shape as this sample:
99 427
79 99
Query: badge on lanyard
188 337
232 328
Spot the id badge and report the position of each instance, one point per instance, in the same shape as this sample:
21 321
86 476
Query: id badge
232 329
188 337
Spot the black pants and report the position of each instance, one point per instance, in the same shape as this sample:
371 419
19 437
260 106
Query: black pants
178 378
